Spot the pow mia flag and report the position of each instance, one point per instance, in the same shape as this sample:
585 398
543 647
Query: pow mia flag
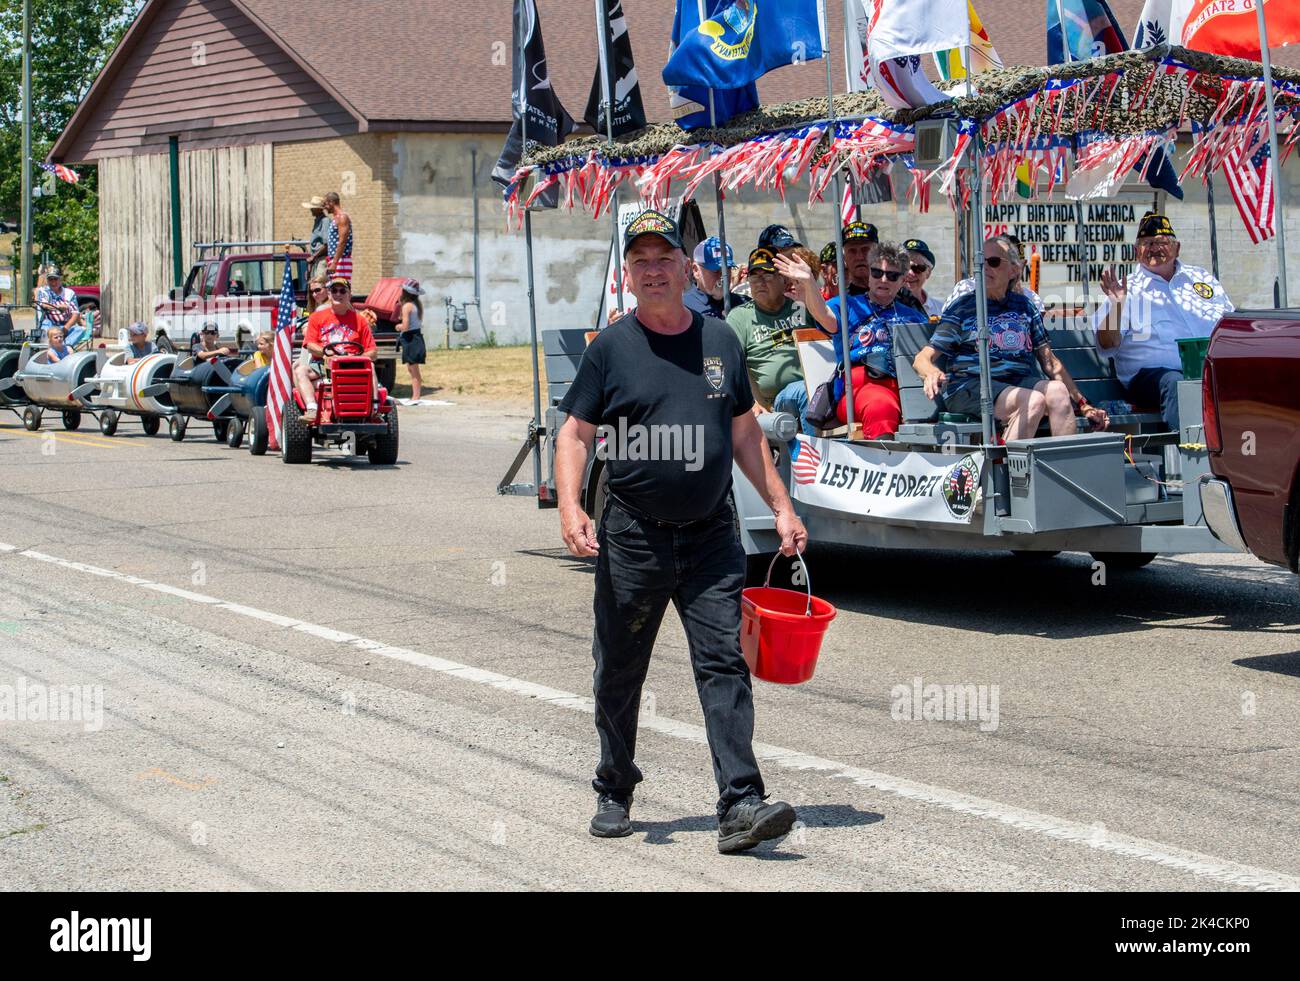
629 113
548 123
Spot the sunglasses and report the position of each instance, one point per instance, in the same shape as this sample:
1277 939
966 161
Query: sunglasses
992 261
318 289
893 277
920 267
340 290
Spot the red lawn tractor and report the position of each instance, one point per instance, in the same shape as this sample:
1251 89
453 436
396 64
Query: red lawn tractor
350 403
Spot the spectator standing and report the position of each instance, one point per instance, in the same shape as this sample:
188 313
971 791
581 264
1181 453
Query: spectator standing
318 243
410 336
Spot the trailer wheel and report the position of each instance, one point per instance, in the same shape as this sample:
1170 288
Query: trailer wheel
1025 555
32 418
235 434
151 425
71 419
295 436
383 451
220 429
1124 561
257 433
108 422
176 428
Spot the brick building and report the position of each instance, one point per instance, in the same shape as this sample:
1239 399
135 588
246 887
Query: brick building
389 102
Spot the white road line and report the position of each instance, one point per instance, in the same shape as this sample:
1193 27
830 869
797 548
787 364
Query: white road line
1060 829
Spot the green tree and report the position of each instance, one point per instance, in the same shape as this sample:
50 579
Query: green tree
71 40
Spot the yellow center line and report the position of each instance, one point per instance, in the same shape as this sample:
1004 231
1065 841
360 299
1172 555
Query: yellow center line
68 437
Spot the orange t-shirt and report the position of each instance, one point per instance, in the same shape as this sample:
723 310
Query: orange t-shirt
326 327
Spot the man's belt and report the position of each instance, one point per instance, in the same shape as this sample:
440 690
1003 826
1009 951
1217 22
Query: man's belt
660 522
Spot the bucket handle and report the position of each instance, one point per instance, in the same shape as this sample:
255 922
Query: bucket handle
807 579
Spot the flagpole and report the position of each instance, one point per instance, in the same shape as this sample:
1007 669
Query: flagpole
607 90
836 204
1279 214
532 294
849 20
23 294
717 195
1214 225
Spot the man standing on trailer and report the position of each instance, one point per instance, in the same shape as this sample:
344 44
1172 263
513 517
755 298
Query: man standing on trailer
338 261
667 390
1146 315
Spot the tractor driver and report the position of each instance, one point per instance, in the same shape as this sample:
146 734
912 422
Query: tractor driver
338 322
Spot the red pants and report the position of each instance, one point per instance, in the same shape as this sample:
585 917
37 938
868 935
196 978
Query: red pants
876 405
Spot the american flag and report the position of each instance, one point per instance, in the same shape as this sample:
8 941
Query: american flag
848 210
1249 171
806 462
280 389
62 173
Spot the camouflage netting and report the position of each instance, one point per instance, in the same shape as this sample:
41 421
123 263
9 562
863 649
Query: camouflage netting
1162 102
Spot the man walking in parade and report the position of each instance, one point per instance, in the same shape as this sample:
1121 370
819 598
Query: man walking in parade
671 380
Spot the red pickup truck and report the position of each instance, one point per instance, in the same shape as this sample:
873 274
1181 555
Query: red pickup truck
240 291
1251 400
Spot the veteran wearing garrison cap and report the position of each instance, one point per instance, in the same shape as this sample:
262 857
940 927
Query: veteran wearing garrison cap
1149 312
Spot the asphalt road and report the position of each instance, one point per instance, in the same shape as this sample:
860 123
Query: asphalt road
339 677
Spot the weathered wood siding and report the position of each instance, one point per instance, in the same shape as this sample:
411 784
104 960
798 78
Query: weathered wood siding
226 195
204 72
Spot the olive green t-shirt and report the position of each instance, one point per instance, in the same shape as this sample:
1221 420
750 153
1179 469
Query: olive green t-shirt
768 342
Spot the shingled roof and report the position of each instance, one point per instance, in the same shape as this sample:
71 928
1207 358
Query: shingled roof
379 65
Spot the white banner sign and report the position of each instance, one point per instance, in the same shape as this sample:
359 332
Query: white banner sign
935 487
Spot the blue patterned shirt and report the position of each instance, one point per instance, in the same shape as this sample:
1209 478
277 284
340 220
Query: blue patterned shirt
1016 332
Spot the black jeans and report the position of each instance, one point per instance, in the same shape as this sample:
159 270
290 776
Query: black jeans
701 569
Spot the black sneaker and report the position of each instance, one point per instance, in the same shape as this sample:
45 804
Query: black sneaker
750 821
611 820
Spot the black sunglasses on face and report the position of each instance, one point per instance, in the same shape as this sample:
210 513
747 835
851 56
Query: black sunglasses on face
340 290
893 277
992 261
318 289
920 267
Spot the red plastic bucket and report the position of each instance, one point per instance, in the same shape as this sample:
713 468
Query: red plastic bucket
781 630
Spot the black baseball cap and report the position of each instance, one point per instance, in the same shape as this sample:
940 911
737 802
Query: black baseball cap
1153 224
921 249
762 260
653 223
861 231
777 237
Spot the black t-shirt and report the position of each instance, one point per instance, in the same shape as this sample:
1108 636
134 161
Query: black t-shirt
665 405
695 299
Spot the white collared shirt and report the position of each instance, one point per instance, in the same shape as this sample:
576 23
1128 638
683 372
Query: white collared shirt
1157 314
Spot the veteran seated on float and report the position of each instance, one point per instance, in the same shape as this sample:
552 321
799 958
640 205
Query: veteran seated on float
765 327
1146 315
1018 346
